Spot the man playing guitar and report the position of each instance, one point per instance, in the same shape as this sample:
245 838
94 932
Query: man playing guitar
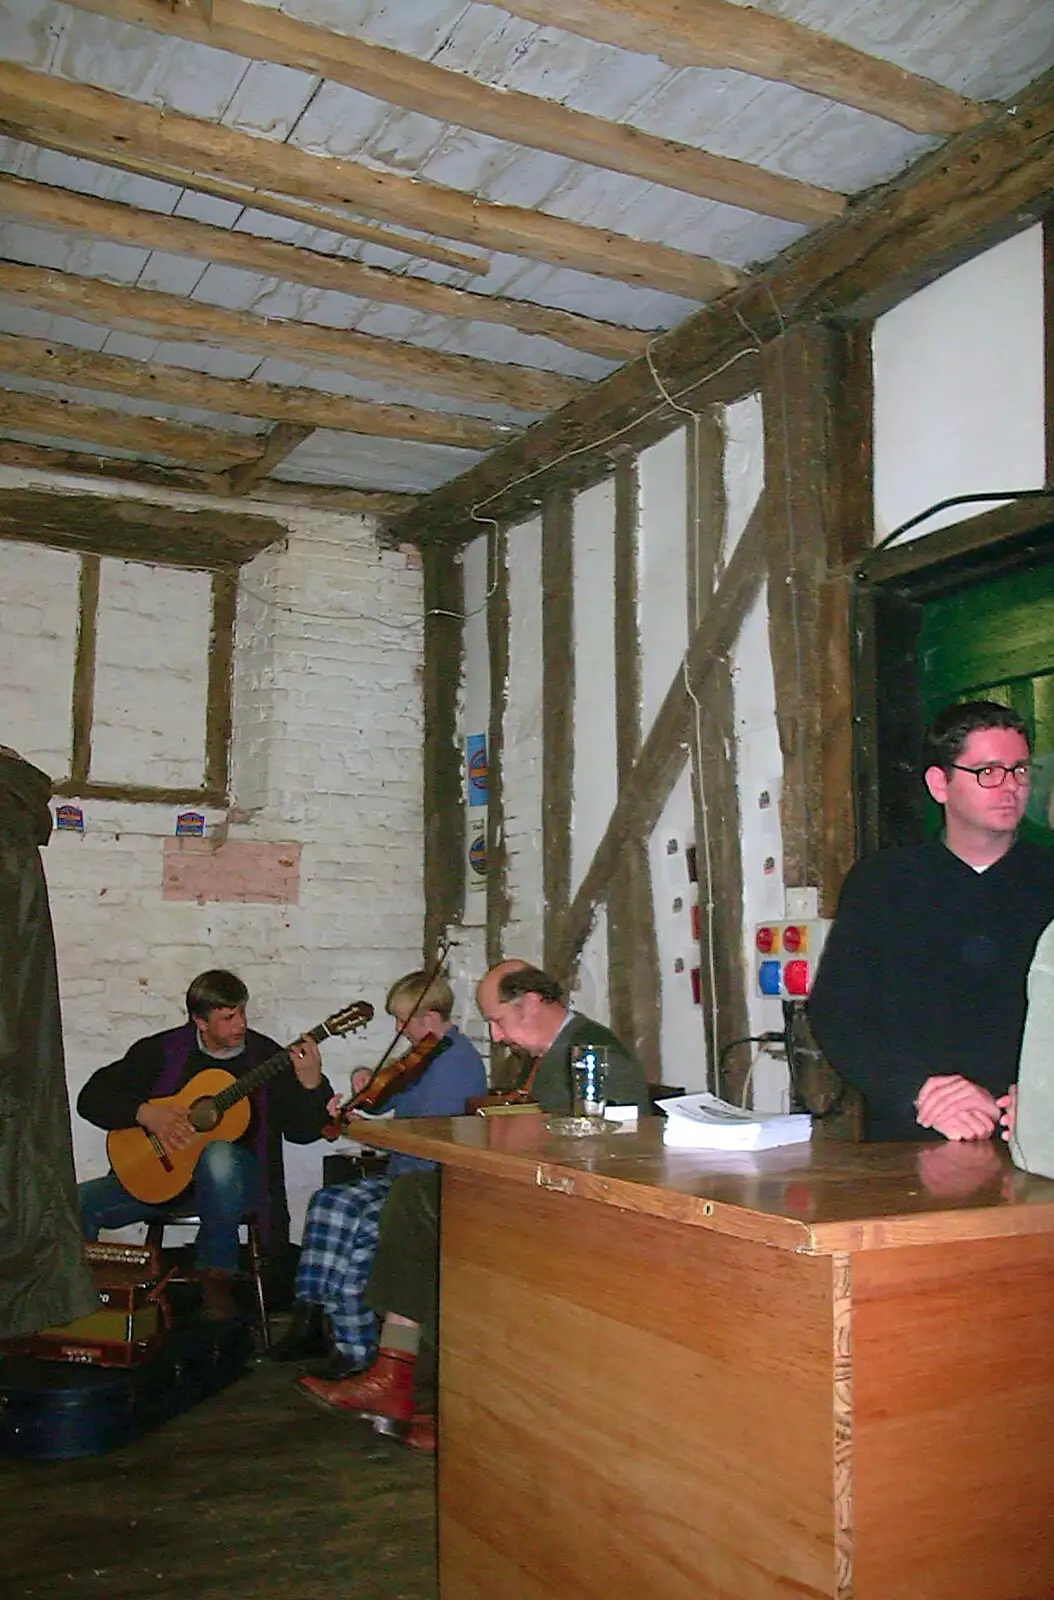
230 1178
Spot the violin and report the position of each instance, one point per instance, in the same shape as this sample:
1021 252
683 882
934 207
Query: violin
390 1079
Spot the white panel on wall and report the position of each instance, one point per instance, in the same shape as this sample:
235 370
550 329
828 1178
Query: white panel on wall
591 995
959 385
662 570
522 744
595 777
151 676
760 773
682 1043
744 466
38 635
474 718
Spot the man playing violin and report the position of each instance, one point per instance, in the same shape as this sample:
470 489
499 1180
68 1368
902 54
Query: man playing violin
525 1008
340 1233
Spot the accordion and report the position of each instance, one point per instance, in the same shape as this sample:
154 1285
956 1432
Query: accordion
132 1318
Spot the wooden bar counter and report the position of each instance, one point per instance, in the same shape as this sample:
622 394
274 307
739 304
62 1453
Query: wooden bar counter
826 1370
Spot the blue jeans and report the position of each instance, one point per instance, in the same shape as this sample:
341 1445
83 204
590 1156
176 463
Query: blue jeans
226 1184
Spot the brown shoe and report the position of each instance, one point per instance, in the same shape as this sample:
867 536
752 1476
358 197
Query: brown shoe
422 1435
217 1296
384 1393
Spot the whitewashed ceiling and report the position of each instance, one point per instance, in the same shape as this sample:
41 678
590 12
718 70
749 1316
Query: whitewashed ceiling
53 274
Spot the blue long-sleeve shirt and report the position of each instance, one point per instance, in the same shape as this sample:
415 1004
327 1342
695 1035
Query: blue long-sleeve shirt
454 1076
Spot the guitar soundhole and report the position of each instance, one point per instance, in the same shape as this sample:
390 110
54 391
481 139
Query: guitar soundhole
203 1114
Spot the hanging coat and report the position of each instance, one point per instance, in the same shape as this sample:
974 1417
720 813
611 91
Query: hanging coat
43 1277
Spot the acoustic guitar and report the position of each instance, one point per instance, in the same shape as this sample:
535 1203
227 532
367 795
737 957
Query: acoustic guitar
217 1104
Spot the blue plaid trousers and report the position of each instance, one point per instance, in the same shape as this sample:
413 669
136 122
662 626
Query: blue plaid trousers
340 1239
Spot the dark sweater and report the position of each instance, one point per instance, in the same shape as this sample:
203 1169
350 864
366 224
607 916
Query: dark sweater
924 974
551 1081
111 1097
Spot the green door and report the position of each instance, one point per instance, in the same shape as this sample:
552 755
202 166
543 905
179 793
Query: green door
994 640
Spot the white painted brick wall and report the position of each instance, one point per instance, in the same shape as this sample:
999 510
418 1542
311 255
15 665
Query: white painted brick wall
151 675
38 631
327 752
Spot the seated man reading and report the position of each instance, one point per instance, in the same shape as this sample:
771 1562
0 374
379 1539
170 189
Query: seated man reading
340 1235
525 1008
229 1179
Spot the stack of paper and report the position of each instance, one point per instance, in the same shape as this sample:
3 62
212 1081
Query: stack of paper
703 1122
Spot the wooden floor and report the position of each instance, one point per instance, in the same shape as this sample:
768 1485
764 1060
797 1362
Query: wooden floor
253 1493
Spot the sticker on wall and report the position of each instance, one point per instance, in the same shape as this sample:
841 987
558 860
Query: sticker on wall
190 824
476 768
477 852
69 818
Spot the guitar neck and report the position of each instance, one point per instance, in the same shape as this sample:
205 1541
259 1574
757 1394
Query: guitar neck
250 1081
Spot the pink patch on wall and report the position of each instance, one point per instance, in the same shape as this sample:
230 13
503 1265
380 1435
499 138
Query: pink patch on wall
235 870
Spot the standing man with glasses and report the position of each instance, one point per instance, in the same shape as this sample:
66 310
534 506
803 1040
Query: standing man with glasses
920 997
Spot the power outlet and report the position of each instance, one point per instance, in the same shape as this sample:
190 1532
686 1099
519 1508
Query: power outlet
802 905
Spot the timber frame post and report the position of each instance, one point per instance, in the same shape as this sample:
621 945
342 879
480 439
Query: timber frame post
715 795
633 958
444 809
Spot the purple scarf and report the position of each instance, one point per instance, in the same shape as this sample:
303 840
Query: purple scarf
176 1046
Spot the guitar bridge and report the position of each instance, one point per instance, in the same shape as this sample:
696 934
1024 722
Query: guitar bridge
161 1152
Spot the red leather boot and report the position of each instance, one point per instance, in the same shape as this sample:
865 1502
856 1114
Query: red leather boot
384 1393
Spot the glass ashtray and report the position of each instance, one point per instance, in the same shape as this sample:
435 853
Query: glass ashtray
577 1127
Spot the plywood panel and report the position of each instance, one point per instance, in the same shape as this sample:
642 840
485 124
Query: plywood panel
953 1433
630 1406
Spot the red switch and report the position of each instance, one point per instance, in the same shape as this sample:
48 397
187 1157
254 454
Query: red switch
796 978
767 940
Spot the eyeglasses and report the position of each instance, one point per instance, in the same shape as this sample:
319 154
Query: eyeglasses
995 774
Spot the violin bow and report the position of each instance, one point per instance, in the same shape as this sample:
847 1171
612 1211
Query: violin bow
431 974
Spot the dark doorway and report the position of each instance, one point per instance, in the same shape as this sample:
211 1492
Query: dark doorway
978 626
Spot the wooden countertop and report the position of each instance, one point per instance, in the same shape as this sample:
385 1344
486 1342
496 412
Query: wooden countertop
814 1198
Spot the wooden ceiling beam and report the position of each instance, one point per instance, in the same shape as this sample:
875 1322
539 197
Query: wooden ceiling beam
262 34
241 397
123 430
34 105
278 205
282 440
978 188
716 33
136 530
45 206
171 316
335 498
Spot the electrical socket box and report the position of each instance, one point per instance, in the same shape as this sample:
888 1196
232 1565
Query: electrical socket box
786 955
802 905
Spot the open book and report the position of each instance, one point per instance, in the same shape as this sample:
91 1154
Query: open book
703 1122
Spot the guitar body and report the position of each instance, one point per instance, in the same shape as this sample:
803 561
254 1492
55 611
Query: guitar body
155 1177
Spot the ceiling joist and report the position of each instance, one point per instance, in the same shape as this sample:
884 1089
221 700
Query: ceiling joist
46 206
719 34
241 397
304 408
168 316
121 430
282 440
262 34
240 194
34 105
183 480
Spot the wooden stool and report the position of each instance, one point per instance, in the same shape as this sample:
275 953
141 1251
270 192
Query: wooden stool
174 1217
